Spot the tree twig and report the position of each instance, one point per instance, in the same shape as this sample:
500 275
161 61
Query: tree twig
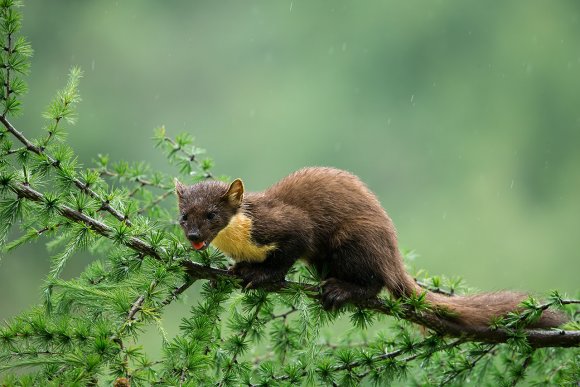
243 335
105 205
157 200
434 289
527 362
190 156
469 367
137 305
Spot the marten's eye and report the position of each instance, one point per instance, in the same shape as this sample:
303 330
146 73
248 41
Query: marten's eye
183 217
210 215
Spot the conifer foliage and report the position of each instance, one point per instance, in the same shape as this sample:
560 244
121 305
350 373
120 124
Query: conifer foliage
89 330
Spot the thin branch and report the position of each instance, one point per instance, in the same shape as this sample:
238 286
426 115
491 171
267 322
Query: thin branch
177 291
137 305
7 79
569 302
148 365
334 347
142 182
155 202
243 335
434 289
12 151
80 185
257 360
182 377
398 352
388 355
101 228
135 190
469 367
285 314
521 374
190 156
35 353
49 228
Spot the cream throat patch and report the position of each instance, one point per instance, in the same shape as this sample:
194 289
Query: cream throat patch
236 241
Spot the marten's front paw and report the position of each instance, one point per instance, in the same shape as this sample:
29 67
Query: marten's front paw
334 294
255 277
239 268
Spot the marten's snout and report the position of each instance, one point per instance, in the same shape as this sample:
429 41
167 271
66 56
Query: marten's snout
194 236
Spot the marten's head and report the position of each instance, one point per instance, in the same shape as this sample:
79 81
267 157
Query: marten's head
206 208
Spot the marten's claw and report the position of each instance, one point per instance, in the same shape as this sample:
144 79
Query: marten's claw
253 277
333 302
239 268
333 295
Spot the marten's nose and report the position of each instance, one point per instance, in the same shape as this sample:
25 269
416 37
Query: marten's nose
193 236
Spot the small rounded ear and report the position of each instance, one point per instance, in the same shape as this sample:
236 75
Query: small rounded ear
235 193
179 188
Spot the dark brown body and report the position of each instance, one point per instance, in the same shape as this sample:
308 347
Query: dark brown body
329 218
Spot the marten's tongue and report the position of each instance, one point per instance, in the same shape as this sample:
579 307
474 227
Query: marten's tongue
198 245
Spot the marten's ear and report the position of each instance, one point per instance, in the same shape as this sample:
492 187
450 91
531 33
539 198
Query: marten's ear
179 188
235 193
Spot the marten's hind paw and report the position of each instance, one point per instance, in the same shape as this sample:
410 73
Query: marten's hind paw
335 293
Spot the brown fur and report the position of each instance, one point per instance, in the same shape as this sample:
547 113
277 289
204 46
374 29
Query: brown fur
329 218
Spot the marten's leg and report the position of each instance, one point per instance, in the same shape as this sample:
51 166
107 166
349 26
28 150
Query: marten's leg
272 269
336 293
350 275
291 230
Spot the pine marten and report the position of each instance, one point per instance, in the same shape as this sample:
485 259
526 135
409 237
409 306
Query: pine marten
330 219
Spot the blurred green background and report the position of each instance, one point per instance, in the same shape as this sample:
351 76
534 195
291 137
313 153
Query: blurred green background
463 116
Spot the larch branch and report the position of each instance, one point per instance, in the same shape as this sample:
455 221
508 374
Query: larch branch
536 337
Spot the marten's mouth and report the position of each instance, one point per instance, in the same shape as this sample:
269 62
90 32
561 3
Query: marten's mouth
199 246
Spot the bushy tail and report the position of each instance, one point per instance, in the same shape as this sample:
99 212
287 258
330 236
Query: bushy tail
480 310
473 311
